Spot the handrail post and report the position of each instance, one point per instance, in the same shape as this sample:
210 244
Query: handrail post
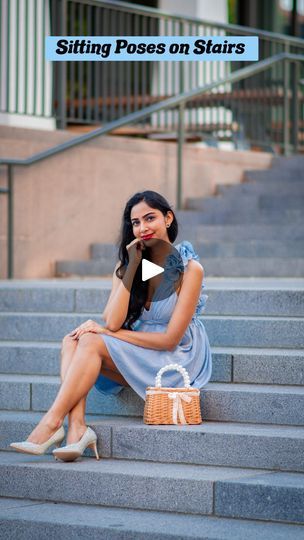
180 143
295 106
62 70
286 115
181 133
10 223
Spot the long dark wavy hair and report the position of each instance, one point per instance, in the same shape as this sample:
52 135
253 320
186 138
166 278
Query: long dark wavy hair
139 290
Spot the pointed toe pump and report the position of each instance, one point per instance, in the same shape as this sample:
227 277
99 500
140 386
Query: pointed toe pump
75 450
28 447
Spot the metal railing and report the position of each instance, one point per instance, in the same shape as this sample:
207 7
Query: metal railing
99 92
178 103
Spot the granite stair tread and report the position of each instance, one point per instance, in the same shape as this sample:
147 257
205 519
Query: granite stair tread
42 519
27 417
219 386
150 485
232 444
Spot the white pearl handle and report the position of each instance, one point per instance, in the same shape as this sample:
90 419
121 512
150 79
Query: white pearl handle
179 368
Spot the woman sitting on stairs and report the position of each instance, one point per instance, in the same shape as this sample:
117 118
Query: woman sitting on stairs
147 326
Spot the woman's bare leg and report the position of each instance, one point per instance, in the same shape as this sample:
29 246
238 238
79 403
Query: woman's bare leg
76 420
77 424
79 378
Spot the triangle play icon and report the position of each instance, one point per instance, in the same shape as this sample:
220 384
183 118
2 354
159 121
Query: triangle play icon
149 270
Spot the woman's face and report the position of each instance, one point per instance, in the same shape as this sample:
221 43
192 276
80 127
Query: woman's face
150 222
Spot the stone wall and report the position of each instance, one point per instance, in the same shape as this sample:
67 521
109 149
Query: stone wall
65 203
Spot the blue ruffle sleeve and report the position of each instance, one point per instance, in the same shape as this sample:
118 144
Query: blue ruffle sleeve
187 253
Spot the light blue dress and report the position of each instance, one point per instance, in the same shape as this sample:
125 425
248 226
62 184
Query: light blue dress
139 365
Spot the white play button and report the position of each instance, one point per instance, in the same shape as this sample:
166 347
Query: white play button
149 270
171 269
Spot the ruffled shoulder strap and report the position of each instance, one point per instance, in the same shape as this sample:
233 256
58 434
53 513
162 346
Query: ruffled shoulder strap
187 253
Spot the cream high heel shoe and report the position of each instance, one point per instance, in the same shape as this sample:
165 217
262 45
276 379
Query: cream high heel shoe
38 449
75 450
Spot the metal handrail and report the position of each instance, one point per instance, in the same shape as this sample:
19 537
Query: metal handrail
99 92
78 100
155 12
157 107
175 101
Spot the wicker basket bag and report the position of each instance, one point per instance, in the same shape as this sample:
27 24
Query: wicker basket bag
172 405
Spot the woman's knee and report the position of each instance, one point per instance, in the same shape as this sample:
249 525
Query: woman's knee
89 340
68 342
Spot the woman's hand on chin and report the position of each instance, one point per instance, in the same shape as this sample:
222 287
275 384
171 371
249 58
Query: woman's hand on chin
88 326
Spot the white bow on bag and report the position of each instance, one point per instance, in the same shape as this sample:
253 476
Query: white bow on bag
178 407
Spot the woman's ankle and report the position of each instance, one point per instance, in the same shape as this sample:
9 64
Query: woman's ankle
53 421
76 424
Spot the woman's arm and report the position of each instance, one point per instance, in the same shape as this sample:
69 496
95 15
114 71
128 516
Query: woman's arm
116 309
181 317
187 302
148 340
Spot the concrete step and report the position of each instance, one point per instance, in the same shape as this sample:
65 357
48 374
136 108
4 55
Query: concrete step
251 248
226 444
233 246
257 188
262 366
41 520
236 233
98 267
280 173
56 295
220 402
254 331
239 215
104 251
143 485
44 359
290 162
214 266
236 216
231 497
253 267
247 202
189 217
253 403
234 364
230 331
226 296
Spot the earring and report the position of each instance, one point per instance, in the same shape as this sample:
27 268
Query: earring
168 225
